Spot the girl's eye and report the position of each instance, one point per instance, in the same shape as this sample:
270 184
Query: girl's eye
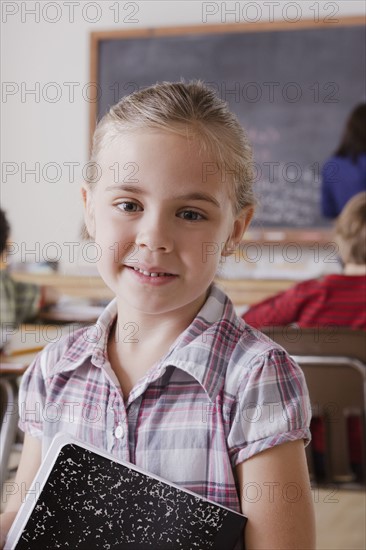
128 206
191 215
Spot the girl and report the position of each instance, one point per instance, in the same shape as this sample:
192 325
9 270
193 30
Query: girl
173 380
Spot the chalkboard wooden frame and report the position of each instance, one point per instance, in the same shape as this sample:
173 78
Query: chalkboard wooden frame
287 234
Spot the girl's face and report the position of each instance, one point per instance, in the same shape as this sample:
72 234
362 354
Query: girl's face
161 215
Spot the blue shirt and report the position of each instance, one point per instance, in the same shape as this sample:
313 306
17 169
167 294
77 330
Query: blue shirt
341 179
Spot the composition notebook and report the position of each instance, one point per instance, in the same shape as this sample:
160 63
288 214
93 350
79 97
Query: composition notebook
85 499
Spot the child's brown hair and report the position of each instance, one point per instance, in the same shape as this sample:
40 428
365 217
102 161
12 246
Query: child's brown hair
350 230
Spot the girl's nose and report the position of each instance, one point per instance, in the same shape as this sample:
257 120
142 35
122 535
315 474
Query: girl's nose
156 236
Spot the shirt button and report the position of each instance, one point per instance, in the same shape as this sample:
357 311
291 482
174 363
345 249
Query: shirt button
119 432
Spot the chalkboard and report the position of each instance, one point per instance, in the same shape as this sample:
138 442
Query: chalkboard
292 87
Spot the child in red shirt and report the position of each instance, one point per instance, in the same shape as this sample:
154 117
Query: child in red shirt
336 300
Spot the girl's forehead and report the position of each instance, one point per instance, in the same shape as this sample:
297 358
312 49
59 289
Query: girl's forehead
152 151
142 143
164 162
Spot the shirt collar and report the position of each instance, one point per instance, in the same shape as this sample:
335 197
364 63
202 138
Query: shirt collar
91 342
201 350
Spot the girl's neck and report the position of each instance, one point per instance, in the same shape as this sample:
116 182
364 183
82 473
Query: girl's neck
354 269
138 341
137 329
139 333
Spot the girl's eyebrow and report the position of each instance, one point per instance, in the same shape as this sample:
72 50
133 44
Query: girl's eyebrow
195 196
121 187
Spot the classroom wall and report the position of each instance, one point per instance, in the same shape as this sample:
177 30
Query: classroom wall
45 102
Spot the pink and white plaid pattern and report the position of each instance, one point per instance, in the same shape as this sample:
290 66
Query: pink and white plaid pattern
223 393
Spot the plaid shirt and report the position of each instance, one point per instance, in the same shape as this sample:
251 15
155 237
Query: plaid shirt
222 393
18 301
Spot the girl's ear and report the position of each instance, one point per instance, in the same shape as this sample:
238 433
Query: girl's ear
89 217
240 225
242 222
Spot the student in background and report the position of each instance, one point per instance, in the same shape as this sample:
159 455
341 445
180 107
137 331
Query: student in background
337 300
174 372
344 174
19 301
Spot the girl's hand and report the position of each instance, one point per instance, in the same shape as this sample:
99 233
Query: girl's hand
6 520
30 461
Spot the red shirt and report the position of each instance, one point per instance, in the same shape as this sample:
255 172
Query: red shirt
336 300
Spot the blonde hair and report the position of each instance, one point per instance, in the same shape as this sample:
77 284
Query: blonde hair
191 110
350 230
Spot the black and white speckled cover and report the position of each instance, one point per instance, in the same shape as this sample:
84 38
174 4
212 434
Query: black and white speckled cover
89 500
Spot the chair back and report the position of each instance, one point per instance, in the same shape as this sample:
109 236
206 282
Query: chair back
331 340
334 364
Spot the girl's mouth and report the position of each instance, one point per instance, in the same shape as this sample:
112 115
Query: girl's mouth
153 273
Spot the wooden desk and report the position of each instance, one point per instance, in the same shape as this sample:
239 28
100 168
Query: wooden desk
17 364
92 287
71 314
28 339
241 291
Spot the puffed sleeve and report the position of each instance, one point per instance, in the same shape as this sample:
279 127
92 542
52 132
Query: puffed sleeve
272 406
32 398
